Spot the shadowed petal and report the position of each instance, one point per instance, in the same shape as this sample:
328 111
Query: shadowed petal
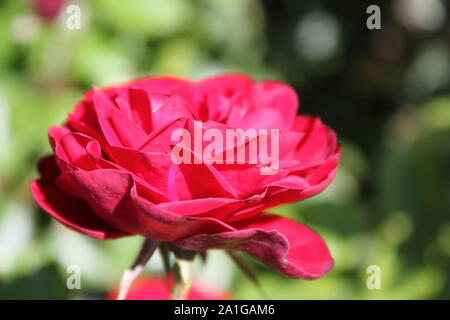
113 196
281 243
68 210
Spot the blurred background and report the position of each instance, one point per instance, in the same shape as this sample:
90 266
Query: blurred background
386 93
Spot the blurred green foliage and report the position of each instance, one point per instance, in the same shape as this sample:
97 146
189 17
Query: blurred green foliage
386 93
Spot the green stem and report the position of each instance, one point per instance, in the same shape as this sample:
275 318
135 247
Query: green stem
185 273
184 261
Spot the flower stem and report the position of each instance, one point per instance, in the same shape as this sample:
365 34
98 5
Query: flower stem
165 257
184 261
185 272
129 275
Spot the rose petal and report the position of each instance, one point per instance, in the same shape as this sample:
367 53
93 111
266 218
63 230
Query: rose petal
204 180
219 208
281 243
160 140
227 85
167 86
156 169
167 108
68 210
72 149
318 144
268 118
217 96
276 95
113 197
247 179
116 128
291 189
140 108
84 120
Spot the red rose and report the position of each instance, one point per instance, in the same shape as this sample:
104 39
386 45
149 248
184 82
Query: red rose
157 288
112 174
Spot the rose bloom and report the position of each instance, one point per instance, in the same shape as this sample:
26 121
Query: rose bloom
111 174
157 288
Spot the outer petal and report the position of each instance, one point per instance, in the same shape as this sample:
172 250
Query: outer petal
311 182
114 196
71 149
318 144
68 210
281 243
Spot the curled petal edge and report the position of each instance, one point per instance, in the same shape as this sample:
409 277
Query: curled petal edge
281 243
